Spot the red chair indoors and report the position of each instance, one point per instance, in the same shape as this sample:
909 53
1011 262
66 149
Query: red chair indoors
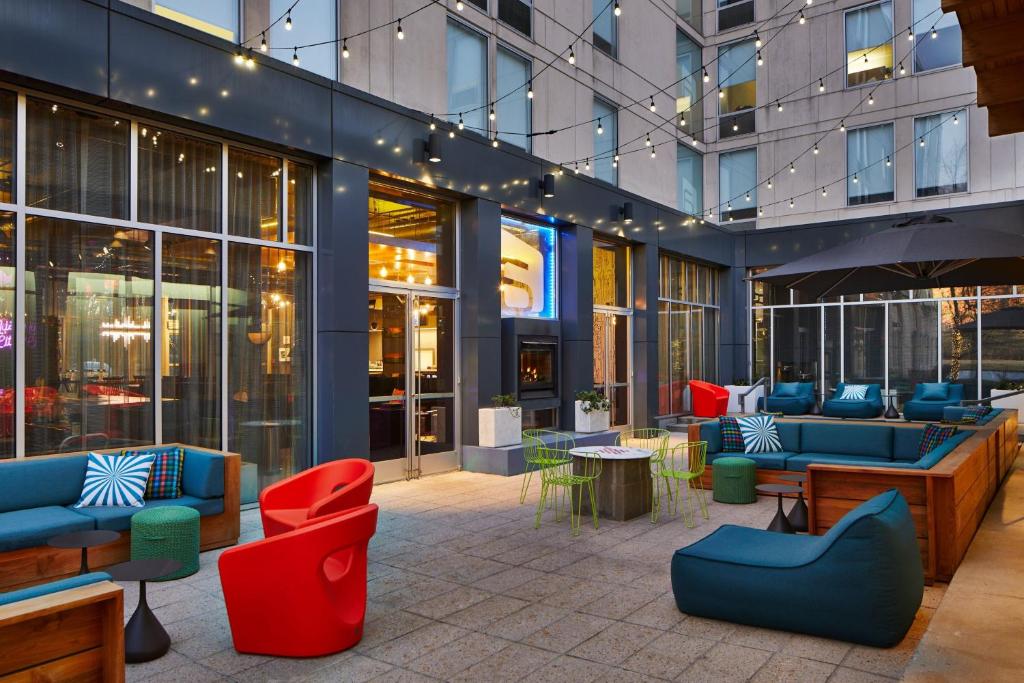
322 490
709 400
300 593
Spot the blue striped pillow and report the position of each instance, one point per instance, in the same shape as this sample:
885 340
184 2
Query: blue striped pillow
115 480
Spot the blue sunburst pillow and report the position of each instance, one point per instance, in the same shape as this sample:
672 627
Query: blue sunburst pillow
760 435
115 480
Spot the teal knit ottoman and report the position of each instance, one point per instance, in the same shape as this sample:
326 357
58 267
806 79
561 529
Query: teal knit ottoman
170 532
733 480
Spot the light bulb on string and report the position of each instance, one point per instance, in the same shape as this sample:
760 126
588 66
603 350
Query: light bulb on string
910 33
572 56
682 119
239 57
735 125
648 141
888 161
842 125
728 206
778 105
460 5
810 1
903 70
769 183
792 167
748 197
711 213
600 127
529 89
956 120
706 77
288 21
263 42
433 126
654 152
803 19
249 61
451 133
855 179
824 192
653 107
821 85
791 202
494 141
617 10
399 33
586 164
721 93
491 115
934 34
760 59
295 56
920 142
461 122
576 167
344 49
871 97
757 39
815 147
760 211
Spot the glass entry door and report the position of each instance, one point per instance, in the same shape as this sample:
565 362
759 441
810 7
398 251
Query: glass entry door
412 384
612 362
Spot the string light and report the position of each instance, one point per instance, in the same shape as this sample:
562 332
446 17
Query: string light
295 56
451 133
586 164
842 125
653 106
617 10
288 21
682 119
735 125
871 97
910 33
748 197
460 5
576 167
494 141
935 34
653 152
855 179
769 183
239 57
921 142
721 93
809 1
344 49
760 59
706 77
399 33
572 56
728 206
491 115
903 71
433 126
263 42
778 105
615 159
791 202
711 213
821 85
815 147
600 128
461 123
888 161
956 120
792 167
529 89
824 192
760 211
757 39
803 19
249 61
648 141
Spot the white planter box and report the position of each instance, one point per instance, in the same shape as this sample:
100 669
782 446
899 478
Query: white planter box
500 426
1014 402
751 400
594 421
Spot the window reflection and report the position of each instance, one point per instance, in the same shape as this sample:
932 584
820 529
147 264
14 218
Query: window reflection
611 274
300 203
179 180
7 309
869 44
190 354
218 18
412 237
8 103
88 349
254 195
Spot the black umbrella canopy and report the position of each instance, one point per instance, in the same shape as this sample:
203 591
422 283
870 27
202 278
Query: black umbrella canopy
930 252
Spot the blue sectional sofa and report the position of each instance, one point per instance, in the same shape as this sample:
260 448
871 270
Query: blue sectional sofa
861 582
868 445
38 591
927 408
789 398
871 406
956 413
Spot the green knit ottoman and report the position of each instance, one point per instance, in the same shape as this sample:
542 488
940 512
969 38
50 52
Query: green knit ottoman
733 480
170 532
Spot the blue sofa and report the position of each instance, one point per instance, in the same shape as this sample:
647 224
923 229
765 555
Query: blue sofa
930 409
790 398
871 406
956 413
865 444
861 582
42 589
37 495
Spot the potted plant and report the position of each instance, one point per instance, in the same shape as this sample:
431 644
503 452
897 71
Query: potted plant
593 412
501 425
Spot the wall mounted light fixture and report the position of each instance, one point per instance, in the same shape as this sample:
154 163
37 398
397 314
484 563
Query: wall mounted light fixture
547 185
433 151
627 213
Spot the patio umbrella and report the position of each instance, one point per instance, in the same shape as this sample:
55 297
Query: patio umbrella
924 253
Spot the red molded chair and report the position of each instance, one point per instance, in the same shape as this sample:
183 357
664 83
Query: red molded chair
300 593
709 400
322 490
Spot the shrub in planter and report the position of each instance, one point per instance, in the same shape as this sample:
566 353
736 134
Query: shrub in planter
501 425
592 412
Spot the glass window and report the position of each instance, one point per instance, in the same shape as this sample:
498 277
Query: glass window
88 348
913 347
515 13
313 21
664 360
940 154
300 203
690 12
734 13
190 356
77 161
254 195
605 27
689 180
691 86
869 44
482 4
671 277
864 338
7 309
412 237
737 184
737 83
1002 338
833 349
216 18
611 274
606 142
960 341
467 77
942 50
8 104
268 363
513 107
678 355
797 344
529 265
761 333
869 154
179 180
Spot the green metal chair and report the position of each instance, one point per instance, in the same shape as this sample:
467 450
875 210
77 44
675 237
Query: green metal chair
684 462
654 440
532 439
569 475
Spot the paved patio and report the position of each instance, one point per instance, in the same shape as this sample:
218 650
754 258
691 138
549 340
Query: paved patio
462 587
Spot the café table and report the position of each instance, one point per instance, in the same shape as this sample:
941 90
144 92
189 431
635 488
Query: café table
623 490
145 638
780 523
83 540
798 513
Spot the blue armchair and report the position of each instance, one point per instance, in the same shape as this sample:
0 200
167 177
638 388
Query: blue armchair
861 582
790 398
929 400
870 406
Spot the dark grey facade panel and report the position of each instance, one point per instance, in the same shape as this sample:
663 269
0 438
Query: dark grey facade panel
342 245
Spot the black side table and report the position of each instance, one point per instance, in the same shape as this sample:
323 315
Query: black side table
891 413
84 540
780 523
798 513
144 636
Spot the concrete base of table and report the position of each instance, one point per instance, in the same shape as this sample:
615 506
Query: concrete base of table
508 460
623 490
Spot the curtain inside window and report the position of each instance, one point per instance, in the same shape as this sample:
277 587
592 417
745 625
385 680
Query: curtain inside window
866 152
513 111
940 166
604 144
690 89
689 180
737 173
254 195
467 77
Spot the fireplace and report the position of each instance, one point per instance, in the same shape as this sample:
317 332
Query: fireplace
538 367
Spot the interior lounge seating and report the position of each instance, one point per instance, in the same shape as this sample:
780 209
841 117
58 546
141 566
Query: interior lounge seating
300 593
319 491
789 398
861 582
867 407
708 400
930 399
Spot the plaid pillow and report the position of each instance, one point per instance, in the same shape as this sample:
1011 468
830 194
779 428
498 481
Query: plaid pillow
975 413
732 437
933 437
165 478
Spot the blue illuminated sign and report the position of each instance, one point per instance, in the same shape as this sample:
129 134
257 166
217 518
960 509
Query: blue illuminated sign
529 267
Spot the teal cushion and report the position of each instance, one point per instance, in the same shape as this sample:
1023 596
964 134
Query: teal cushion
786 389
764 461
39 482
34 526
934 391
53 587
905 443
204 474
847 439
934 456
120 518
710 432
789 435
800 462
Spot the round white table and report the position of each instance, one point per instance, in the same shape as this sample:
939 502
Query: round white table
624 489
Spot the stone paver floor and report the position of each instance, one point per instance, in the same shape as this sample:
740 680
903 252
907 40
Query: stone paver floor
462 587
